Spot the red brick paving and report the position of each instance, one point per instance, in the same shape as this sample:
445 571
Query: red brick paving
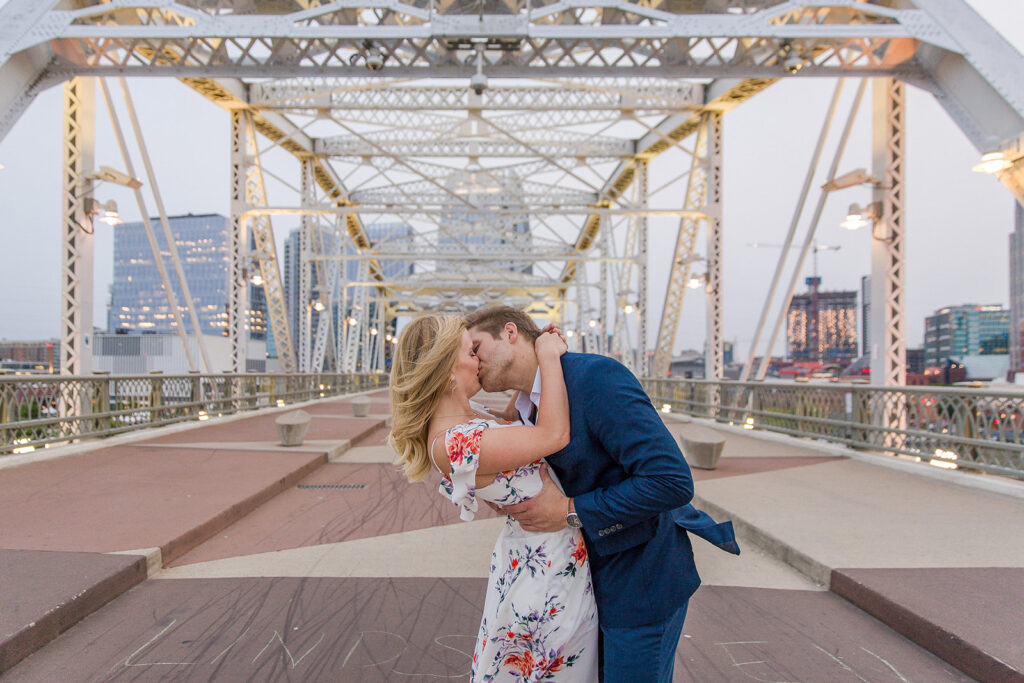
972 617
45 593
304 517
126 497
370 630
262 428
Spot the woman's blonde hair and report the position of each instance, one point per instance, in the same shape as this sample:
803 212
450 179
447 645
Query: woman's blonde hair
421 372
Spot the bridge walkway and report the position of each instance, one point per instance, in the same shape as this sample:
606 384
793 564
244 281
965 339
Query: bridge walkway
207 552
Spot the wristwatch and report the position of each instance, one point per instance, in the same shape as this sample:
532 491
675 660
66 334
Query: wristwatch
572 520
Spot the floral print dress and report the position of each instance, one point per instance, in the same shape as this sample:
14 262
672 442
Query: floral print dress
540 618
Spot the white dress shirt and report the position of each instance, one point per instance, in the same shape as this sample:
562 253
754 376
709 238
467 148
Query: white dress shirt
525 404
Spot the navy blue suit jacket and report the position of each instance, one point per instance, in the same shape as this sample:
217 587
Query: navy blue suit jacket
632 489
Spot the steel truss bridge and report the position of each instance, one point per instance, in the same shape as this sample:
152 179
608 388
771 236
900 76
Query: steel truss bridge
509 140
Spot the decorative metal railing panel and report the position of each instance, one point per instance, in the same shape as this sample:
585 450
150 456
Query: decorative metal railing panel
36 410
976 429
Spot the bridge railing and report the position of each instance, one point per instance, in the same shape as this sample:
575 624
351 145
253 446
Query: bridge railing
36 410
978 429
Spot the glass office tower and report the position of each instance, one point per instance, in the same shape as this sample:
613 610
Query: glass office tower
138 303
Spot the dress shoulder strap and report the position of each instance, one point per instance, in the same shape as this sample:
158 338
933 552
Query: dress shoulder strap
430 453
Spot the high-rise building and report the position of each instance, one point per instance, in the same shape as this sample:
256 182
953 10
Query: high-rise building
138 303
1017 290
388 237
837 327
968 330
290 281
385 236
915 361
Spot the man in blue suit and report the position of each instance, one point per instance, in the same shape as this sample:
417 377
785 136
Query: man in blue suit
626 485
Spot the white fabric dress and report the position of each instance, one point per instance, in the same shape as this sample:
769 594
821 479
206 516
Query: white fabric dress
540 617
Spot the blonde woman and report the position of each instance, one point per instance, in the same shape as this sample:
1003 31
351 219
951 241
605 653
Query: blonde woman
540 618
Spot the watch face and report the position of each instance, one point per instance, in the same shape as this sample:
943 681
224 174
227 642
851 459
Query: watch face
573 520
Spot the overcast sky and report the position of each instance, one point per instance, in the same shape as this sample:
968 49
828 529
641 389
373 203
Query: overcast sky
958 221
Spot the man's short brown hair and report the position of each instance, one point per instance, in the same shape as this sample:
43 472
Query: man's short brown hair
493 318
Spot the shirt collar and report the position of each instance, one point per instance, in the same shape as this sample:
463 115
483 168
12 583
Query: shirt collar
524 403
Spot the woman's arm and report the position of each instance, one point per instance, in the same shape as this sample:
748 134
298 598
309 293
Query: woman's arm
511 447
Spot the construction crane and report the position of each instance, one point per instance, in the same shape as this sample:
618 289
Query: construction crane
812 283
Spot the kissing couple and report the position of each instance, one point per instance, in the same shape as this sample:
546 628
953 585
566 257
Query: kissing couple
591 576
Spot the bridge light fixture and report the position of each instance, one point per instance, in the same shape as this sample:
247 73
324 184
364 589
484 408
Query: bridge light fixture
114 176
478 81
992 163
860 216
793 63
856 177
374 59
105 212
698 281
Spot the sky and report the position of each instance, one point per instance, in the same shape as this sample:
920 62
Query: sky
958 221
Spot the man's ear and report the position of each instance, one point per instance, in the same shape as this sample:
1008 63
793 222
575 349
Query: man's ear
513 332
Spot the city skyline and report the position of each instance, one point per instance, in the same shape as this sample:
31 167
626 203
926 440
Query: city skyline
956 219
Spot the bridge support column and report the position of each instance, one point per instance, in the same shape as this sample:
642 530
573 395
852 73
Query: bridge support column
238 247
714 365
888 239
77 229
306 270
643 368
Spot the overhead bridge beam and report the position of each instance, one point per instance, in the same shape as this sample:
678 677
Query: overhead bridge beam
366 94
407 145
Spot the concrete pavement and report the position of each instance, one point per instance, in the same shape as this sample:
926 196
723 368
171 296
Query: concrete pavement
324 564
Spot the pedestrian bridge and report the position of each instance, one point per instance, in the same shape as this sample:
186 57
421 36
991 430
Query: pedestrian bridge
202 550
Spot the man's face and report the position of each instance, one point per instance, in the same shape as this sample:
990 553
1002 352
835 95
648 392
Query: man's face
495 357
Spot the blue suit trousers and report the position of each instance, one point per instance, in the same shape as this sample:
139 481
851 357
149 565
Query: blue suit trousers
642 654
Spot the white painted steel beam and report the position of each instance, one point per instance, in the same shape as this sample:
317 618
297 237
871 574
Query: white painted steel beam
714 366
265 255
888 240
238 244
76 295
366 94
426 144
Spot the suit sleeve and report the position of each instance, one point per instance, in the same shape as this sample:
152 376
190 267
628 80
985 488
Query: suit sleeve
619 416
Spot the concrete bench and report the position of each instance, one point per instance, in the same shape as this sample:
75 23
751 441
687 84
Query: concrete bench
292 427
702 447
361 406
